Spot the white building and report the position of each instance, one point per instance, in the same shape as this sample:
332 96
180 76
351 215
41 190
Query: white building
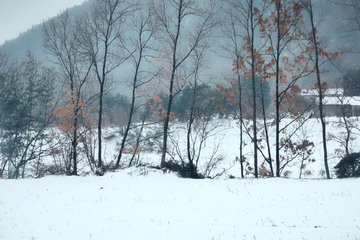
335 103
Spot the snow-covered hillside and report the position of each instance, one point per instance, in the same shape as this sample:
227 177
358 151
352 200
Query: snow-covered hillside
224 139
143 203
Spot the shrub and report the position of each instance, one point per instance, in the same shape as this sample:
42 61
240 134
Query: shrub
349 166
287 174
185 170
264 172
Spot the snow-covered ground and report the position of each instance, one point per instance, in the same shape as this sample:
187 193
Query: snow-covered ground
221 144
226 136
143 203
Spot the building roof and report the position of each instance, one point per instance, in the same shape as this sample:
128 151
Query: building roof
328 92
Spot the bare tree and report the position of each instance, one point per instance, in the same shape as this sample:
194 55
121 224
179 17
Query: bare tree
199 111
184 25
144 26
233 50
102 40
317 52
347 121
350 24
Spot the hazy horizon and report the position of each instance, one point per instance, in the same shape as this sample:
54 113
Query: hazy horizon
18 16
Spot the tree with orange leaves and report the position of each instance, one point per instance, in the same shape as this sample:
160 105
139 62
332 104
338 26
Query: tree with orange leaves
249 16
61 41
281 28
265 55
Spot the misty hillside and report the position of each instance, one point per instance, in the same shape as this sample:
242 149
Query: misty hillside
32 39
331 32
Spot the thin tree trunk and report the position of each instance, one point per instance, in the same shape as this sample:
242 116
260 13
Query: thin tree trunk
3 168
193 168
139 135
253 90
348 131
174 66
75 139
240 119
75 104
322 117
127 129
301 166
167 120
131 111
100 163
102 81
269 160
188 135
277 104
137 142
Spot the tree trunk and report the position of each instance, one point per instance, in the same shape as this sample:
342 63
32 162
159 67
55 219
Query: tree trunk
127 129
254 91
138 141
167 120
191 120
75 140
100 163
269 160
131 111
174 67
347 127
277 104
240 119
322 117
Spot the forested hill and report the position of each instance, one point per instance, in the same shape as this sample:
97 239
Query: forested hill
330 16
32 39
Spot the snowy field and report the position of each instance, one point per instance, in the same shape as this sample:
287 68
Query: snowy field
142 203
225 135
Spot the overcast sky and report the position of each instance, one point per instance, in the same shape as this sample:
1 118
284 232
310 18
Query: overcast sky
20 15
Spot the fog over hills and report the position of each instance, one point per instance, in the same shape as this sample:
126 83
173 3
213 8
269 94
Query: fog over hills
331 17
32 39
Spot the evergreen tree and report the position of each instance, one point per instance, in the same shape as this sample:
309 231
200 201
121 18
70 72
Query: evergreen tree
351 82
25 114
